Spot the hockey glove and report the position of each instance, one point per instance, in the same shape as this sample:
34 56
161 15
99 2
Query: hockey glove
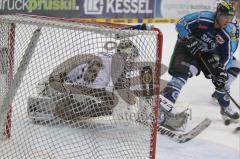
194 46
146 26
220 77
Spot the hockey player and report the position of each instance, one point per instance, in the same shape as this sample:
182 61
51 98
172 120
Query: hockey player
202 36
232 67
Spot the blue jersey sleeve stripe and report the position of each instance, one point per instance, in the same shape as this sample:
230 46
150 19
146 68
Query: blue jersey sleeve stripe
234 46
206 20
192 21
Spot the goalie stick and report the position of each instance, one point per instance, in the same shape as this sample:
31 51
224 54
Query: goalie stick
184 137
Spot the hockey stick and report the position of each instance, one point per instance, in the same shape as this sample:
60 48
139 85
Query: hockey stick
185 137
17 79
223 88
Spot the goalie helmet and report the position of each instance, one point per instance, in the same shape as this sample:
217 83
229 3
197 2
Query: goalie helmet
127 49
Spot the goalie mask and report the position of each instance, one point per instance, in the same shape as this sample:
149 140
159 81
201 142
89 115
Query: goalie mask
127 49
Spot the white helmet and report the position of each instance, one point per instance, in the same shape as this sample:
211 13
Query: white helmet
127 49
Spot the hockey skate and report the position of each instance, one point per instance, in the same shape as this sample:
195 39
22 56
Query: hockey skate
226 111
229 113
174 121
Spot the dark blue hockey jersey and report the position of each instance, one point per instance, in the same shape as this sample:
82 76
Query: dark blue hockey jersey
223 41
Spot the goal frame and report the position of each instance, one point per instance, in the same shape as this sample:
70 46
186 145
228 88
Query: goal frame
11 43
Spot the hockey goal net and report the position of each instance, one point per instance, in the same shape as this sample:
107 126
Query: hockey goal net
75 89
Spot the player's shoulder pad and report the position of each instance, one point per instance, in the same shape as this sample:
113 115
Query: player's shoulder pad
198 16
191 16
207 15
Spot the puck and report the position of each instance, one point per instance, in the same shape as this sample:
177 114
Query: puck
227 122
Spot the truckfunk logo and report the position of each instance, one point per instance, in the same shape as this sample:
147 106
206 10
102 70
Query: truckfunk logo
38 5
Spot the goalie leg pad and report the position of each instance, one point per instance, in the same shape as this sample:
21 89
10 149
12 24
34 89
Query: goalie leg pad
75 109
69 108
41 109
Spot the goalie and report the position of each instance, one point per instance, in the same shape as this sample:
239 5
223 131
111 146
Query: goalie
81 87
85 85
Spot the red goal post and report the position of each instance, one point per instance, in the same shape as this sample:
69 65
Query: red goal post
31 48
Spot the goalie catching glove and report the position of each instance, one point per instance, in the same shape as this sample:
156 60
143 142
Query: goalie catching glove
220 77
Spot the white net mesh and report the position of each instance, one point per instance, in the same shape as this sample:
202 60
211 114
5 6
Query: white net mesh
70 90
